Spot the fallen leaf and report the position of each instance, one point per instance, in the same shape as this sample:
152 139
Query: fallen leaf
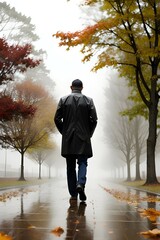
58 231
4 236
132 199
8 195
30 227
150 213
155 232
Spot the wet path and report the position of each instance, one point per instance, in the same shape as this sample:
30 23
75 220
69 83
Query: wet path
32 214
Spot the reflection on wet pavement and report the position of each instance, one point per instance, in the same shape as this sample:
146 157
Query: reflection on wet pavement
76 222
33 215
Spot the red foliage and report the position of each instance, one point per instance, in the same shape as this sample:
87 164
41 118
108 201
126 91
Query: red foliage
14 58
10 109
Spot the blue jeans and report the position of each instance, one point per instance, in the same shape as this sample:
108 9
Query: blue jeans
72 177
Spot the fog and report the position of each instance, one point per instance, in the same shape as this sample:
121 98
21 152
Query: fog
65 66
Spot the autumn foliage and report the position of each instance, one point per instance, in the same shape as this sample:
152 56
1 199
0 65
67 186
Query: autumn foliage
14 58
126 35
10 108
27 119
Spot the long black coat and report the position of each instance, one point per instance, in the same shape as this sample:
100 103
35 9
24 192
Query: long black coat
76 119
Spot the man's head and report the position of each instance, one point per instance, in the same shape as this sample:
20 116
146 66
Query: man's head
77 85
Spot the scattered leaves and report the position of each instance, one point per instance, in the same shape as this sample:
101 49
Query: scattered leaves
130 198
122 196
58 231
4 236
8 195
153 233
150 213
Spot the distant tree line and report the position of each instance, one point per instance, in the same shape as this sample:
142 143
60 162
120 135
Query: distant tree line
26 105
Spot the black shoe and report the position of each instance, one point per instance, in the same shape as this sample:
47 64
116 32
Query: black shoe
80 190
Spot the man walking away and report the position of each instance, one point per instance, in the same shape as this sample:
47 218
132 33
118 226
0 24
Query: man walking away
76 120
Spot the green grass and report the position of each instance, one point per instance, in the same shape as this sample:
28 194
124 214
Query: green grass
11 182
140 185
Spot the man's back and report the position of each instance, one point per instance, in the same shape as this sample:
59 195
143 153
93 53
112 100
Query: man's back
76 119
77 110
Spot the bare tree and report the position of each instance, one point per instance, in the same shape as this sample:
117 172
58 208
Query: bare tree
41 152
125 134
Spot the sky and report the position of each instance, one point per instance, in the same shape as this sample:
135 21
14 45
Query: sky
65 66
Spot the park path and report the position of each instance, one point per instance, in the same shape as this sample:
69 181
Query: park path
44 212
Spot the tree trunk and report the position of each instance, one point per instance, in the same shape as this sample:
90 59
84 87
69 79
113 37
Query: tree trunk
39 171
138 176
152 136
137 148
49 171
128 171
22 168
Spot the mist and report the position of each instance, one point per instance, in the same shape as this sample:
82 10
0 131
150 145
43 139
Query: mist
64 67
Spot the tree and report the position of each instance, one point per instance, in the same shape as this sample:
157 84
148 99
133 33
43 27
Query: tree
128 34
10 109
14 58
22 133
50 161
16 27
41 151
140 136
124 133
124 141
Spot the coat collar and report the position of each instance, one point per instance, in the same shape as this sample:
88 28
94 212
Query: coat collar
76 91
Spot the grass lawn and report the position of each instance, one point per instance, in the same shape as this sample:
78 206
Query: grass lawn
9 182
140 185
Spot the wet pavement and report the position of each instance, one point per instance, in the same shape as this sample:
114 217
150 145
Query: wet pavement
45 213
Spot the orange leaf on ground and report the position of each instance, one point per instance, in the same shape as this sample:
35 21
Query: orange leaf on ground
58 231
4 236
155 232
150 213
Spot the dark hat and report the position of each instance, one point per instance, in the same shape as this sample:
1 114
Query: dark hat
77 83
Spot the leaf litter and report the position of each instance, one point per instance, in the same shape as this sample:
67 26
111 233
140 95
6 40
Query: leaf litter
134 199
58 231
4 236
7 196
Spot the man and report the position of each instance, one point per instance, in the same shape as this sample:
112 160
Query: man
76 120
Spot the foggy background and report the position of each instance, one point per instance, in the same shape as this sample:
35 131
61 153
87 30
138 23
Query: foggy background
64 67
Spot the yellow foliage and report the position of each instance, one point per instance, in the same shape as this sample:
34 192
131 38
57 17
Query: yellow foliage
126 28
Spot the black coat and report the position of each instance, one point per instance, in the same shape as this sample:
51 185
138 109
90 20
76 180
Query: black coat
76 119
